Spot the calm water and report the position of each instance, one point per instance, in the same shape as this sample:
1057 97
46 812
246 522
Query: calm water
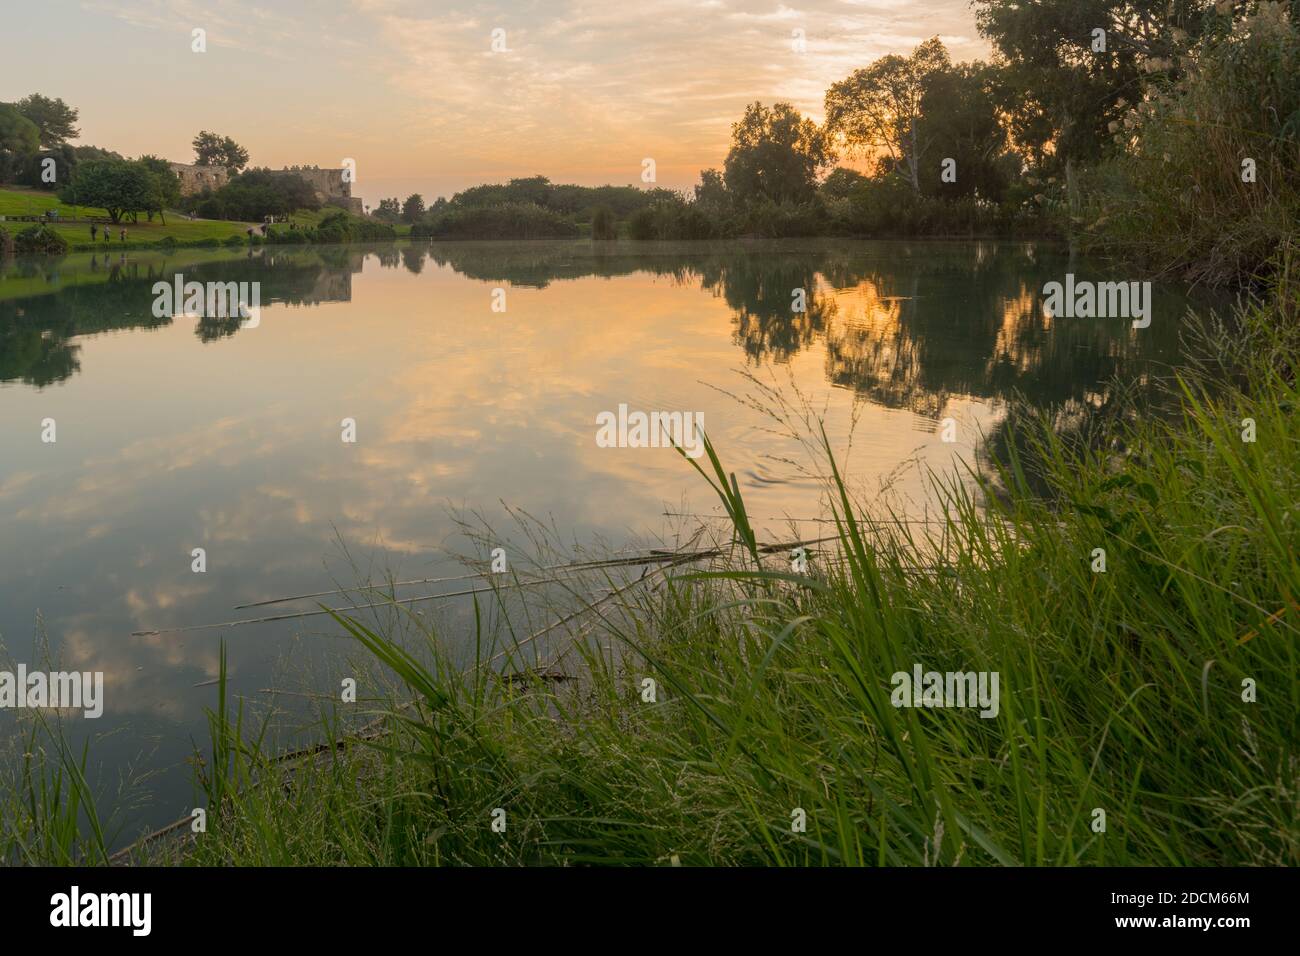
177 434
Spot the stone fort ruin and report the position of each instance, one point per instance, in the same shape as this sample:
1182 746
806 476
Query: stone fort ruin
330 186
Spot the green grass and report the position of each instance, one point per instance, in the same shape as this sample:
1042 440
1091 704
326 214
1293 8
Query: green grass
24 202
31 202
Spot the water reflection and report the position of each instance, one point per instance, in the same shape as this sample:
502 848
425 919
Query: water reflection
903 325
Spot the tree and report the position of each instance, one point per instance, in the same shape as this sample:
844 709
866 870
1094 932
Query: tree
84 153
841 183
775 153
536 189
712 189
34 172
603 225
413 208
288 191
118 186
389 210
257 193
211 149
19 141
165 190
877 108
1061 94
960 120
55 119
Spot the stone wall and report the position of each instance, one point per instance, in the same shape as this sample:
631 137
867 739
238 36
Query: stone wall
329 184
194 179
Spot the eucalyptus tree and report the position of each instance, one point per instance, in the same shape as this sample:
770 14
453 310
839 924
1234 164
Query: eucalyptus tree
876 110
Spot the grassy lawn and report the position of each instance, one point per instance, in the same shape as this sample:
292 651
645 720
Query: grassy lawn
33 202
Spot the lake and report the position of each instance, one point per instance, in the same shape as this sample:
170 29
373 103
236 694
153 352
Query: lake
474 374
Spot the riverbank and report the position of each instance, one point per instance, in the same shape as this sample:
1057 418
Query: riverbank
1132 583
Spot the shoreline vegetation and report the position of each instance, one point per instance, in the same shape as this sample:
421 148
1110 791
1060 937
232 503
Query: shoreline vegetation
1132 578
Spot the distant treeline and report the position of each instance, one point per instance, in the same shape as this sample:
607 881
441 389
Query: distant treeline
534 208
846 203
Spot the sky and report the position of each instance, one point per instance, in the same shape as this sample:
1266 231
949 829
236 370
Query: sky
415 94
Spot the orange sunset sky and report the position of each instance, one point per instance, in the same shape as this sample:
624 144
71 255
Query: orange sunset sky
413 91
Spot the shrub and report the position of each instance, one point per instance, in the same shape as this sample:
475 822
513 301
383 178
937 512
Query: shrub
286 237
210 208
888 206
40 241
1175 198
234 241
342 227
673 219
508 220
603 224
773 220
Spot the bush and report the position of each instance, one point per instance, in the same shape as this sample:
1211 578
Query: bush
234 241
40 241
344 227
257 193
287 237
888 206
509 220
773 220
603 224
1175 199
673 219
210 208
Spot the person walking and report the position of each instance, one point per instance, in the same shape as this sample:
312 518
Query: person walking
122 235
93 230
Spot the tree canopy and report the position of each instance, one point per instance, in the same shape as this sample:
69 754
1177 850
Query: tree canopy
413 208
878 108
211 149
257 193
1060 92
121 187
19 140
775 153
54 119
